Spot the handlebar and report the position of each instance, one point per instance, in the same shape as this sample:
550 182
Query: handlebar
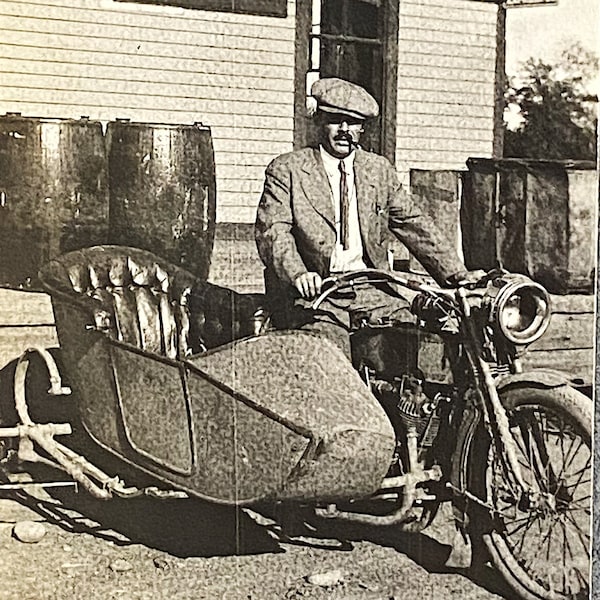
334 283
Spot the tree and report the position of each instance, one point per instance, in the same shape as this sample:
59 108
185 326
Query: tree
556 114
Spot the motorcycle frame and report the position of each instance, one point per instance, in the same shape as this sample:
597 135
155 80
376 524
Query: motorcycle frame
482 405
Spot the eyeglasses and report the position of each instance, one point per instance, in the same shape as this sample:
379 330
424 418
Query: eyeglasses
338 119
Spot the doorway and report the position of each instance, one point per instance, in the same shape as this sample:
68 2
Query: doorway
356 40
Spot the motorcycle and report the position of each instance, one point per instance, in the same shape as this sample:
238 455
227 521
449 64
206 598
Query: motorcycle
186 382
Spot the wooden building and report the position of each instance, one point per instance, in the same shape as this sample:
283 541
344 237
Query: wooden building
243 68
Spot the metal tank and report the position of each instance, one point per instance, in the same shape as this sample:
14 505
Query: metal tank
162 191
53 192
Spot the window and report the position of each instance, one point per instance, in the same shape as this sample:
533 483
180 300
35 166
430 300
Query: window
268 8
351 39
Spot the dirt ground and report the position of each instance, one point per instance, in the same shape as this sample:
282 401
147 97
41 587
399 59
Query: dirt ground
148 549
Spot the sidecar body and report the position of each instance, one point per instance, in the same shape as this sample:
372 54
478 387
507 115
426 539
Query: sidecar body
169 377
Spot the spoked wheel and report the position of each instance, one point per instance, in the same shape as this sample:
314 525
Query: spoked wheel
540 540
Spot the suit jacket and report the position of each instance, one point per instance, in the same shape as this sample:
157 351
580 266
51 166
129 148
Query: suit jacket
295 223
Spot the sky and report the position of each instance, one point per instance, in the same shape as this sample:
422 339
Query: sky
544 31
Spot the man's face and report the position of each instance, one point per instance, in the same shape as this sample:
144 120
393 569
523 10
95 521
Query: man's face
339 133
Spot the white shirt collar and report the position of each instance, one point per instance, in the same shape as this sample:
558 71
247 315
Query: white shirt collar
331 162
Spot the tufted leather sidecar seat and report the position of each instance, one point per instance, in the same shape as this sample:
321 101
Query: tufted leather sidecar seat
137 298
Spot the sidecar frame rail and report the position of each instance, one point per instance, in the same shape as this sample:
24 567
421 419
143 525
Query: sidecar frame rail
411 494
29 433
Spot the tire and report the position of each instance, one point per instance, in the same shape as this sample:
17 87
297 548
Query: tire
540 544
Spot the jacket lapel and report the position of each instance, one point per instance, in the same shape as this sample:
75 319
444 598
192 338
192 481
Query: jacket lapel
316 187
365 194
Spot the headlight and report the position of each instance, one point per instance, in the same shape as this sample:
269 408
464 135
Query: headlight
521 309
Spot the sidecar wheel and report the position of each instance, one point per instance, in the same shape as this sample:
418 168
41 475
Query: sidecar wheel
540 543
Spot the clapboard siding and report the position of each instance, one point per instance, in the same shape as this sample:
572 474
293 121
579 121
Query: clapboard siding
414 43
115 73
142 89
475 29
446 83
444 39
422 85
441 144
448 72
448 132
145 16
109 60
437 106
454 122
148 51
134 33
456 11
235 73
20 56
473 101
126 102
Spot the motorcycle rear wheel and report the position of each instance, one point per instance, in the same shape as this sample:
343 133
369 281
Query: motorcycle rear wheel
540 543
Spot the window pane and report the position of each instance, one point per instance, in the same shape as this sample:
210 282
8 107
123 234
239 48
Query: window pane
350 17
359 63
271 8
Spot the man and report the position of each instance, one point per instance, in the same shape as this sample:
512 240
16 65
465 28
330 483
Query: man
329 209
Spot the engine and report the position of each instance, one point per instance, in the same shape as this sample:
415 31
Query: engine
410 408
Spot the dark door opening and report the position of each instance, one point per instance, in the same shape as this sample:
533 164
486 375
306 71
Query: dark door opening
357 41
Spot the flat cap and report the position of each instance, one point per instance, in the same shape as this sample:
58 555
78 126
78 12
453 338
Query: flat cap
339 96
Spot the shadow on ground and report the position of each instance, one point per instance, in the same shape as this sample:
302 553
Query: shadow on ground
180 527
194 528
421 548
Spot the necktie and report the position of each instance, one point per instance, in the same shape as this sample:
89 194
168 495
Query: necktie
344 207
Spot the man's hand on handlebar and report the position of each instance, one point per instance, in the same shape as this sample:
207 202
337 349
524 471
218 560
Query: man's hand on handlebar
308 284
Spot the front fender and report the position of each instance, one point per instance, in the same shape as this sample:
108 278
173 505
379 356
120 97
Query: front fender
547 378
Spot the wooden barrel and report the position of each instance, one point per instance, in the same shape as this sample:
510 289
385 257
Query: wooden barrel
536 217
162 191
53 192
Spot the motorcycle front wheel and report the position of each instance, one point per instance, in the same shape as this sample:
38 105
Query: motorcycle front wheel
540 540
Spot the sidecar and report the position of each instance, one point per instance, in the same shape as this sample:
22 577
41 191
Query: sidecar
170 377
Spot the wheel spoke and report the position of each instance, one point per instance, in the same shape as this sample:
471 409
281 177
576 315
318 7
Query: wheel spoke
581 535
583 471
577 483
524 535
567 463
549 541
574 569
573 506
